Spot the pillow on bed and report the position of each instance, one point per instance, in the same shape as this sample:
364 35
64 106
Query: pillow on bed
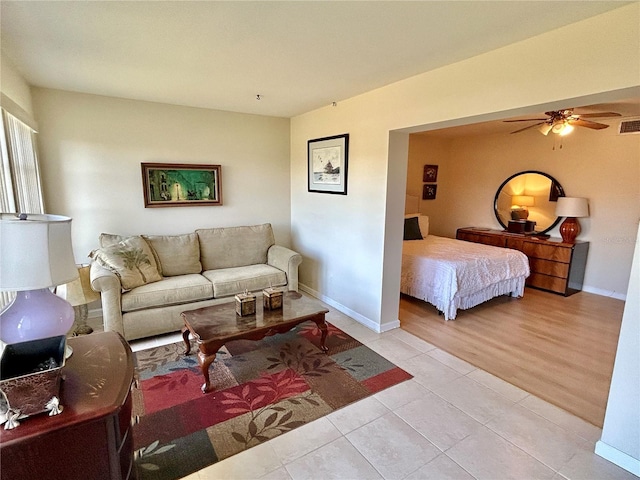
423 222
412 229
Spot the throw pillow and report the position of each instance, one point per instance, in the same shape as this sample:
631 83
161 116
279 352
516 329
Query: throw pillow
423 223
412 229
131 259
108 239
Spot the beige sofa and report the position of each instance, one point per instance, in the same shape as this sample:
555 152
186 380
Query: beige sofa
145 282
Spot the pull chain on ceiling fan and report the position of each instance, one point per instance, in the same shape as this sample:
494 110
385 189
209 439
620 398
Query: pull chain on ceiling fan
562 122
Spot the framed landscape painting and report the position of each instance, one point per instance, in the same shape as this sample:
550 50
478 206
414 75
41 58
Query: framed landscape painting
181 185
327 164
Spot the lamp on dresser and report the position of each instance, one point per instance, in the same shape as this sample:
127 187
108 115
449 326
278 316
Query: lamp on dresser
519 204
572 208
35 254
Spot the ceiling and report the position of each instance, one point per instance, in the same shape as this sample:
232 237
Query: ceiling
297 55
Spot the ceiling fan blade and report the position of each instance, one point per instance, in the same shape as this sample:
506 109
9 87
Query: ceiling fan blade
525 120
589 124
527 128
598 115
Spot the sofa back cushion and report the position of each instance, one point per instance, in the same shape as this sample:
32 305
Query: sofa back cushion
234 246
177 254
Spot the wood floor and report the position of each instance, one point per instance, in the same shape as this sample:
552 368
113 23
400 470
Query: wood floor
560 349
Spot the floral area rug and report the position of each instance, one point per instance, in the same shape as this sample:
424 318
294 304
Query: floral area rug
262 389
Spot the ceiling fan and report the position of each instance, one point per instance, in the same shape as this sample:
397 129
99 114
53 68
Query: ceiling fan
563 121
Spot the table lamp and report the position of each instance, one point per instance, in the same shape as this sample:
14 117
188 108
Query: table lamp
519 204
35 254
79 293
572 208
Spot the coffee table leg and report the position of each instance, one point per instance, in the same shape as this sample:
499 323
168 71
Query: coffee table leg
205 362
322 325
185 337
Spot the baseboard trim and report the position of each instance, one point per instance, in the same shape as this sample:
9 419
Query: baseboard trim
605 293
617 457
367 322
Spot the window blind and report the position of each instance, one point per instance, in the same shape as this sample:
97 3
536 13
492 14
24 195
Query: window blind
20 186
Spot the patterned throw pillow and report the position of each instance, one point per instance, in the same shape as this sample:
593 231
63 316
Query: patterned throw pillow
131 259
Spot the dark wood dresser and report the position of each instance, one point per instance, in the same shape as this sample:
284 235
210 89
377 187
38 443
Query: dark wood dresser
555 266
91 438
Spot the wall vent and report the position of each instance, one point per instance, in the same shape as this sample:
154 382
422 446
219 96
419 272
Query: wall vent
629 126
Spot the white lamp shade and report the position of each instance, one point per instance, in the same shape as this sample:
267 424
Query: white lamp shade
79 292
572 207
35 253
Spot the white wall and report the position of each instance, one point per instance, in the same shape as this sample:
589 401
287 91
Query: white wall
343 237
91 148
13 85
599 165
620 442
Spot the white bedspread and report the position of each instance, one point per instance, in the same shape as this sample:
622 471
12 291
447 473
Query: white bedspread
452 274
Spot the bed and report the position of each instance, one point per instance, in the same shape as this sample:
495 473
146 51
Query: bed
454 274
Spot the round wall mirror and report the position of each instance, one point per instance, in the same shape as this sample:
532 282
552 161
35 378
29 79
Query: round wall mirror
529 195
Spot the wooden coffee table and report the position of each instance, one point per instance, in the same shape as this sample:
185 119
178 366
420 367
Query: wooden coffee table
212 327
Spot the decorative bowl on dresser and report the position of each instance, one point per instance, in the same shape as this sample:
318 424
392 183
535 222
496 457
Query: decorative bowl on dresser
555 266
91 437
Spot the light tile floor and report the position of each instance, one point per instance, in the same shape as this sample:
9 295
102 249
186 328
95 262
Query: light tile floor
451 421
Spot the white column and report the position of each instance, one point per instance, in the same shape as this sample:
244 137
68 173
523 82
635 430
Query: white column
620 441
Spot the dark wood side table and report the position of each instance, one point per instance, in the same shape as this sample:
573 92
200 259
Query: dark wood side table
555 266
91 438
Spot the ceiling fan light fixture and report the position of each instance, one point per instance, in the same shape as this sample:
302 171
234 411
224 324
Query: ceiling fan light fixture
557 127
545 128
566 129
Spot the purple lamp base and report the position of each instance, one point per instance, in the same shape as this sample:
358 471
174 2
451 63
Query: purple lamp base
35 314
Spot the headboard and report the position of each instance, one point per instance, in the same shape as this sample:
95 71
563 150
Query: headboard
411 204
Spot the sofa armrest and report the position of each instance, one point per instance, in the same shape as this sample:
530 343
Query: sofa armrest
286 260
108 284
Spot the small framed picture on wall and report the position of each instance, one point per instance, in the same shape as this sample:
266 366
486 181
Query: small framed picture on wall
429 192
430 174
328 159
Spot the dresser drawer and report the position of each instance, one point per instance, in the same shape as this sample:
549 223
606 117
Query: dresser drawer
493 240
124 420
549 252
515 243
126 456
547 282
555 269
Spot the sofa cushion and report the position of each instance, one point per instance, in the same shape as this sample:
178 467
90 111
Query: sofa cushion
234 246
177 254
230 281
130 259
169 291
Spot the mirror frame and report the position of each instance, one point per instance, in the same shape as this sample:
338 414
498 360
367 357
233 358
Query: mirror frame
553 182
